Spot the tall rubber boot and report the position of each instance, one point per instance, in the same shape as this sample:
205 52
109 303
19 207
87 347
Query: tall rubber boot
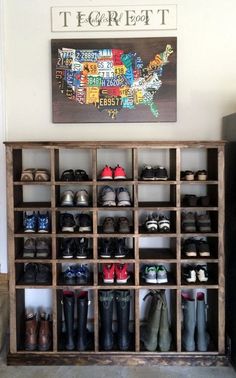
149 332
83 335
123 309
202 335
68 305
106 299
189 316
164 329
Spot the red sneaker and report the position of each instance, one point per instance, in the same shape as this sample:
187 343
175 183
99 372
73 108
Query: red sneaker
106 173
119 173
122 275
108 271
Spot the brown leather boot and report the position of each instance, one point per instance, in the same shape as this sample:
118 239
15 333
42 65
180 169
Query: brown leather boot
31 332
44 338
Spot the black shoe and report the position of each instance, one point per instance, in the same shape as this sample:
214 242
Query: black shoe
67 222
106 249
43 275
190 200
84 222
160 173
190 247
81 175
30 273
121 250
68 248
148 173
68 175
203 248
81 248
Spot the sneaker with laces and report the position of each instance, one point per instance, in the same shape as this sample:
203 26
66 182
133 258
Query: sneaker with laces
189 274
30 222
150 274
203 248
121 250
69 275
147 173
67 248
42 248
160 173
108 225
202 273
190 247
163 223
67 222
81 247
123 197
188 222
106 248
108 271
108 196
123 225
106 173
161 274
81 198
151 223
204 223
119 173
84 222
67 198
43 222
29 248
81 175
201 175
190 200
82 274
122 274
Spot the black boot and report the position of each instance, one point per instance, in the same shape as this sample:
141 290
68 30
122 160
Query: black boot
106 298
68 304
123 309
82 313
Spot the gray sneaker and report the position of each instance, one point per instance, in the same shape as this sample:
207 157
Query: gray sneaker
123 197
108 196
67 198
161 274
150 274
188 222
81 198
108 225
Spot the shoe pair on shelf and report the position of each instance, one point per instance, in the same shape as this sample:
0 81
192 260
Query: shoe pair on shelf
36 222
154 173
37 274
74 175
76 274
118 272
109 225
189 175
112 197
193 200
155 222
113 247
74 248
38 332
192 273
155 274
32 174
36 248
117 173
192 222
79 198
69 222
192 247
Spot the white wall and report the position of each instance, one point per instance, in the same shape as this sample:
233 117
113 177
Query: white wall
206 85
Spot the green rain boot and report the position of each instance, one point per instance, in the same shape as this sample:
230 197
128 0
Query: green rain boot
189 319
202 335
149 332
164 329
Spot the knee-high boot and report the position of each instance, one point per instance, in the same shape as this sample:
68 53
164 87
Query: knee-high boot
82 314
68 304
123 310
202 335
189 319
106 299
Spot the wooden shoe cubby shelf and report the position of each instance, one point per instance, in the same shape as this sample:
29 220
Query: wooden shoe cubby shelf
157 248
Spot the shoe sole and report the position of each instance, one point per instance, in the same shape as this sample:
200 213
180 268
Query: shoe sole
161 179
202 177
150 280
119 177
108 280
124 203
43 231
105 256
189 178
205 229
190 254
162 280
29 230
84 229
148 178
121 280
81 257
106 178
189 229
119 256
109 203
67 203
81 204
67 229
204 254
68 257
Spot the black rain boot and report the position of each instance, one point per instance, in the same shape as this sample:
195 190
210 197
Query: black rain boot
106 298
82 313
123 310
68 304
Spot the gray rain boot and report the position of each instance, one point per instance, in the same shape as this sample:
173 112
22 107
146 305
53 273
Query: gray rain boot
149 332
189 315
202 335
164 330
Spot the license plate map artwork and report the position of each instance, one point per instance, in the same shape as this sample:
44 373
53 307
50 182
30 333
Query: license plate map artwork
113 81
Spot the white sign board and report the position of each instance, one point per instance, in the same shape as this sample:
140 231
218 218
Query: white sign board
104 18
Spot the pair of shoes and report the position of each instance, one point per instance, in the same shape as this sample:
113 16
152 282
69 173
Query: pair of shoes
110 271
193 246
113 248
156 173
38 333
111 197
68 222
79 198
155 274
74 248
109 225
76 274
192 222
36 222
31 174
193 200
74 175
192 273
188 175
156 222
117 173
39 248
37 273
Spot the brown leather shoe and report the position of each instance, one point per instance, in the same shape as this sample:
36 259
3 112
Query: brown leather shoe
31 332
44 339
